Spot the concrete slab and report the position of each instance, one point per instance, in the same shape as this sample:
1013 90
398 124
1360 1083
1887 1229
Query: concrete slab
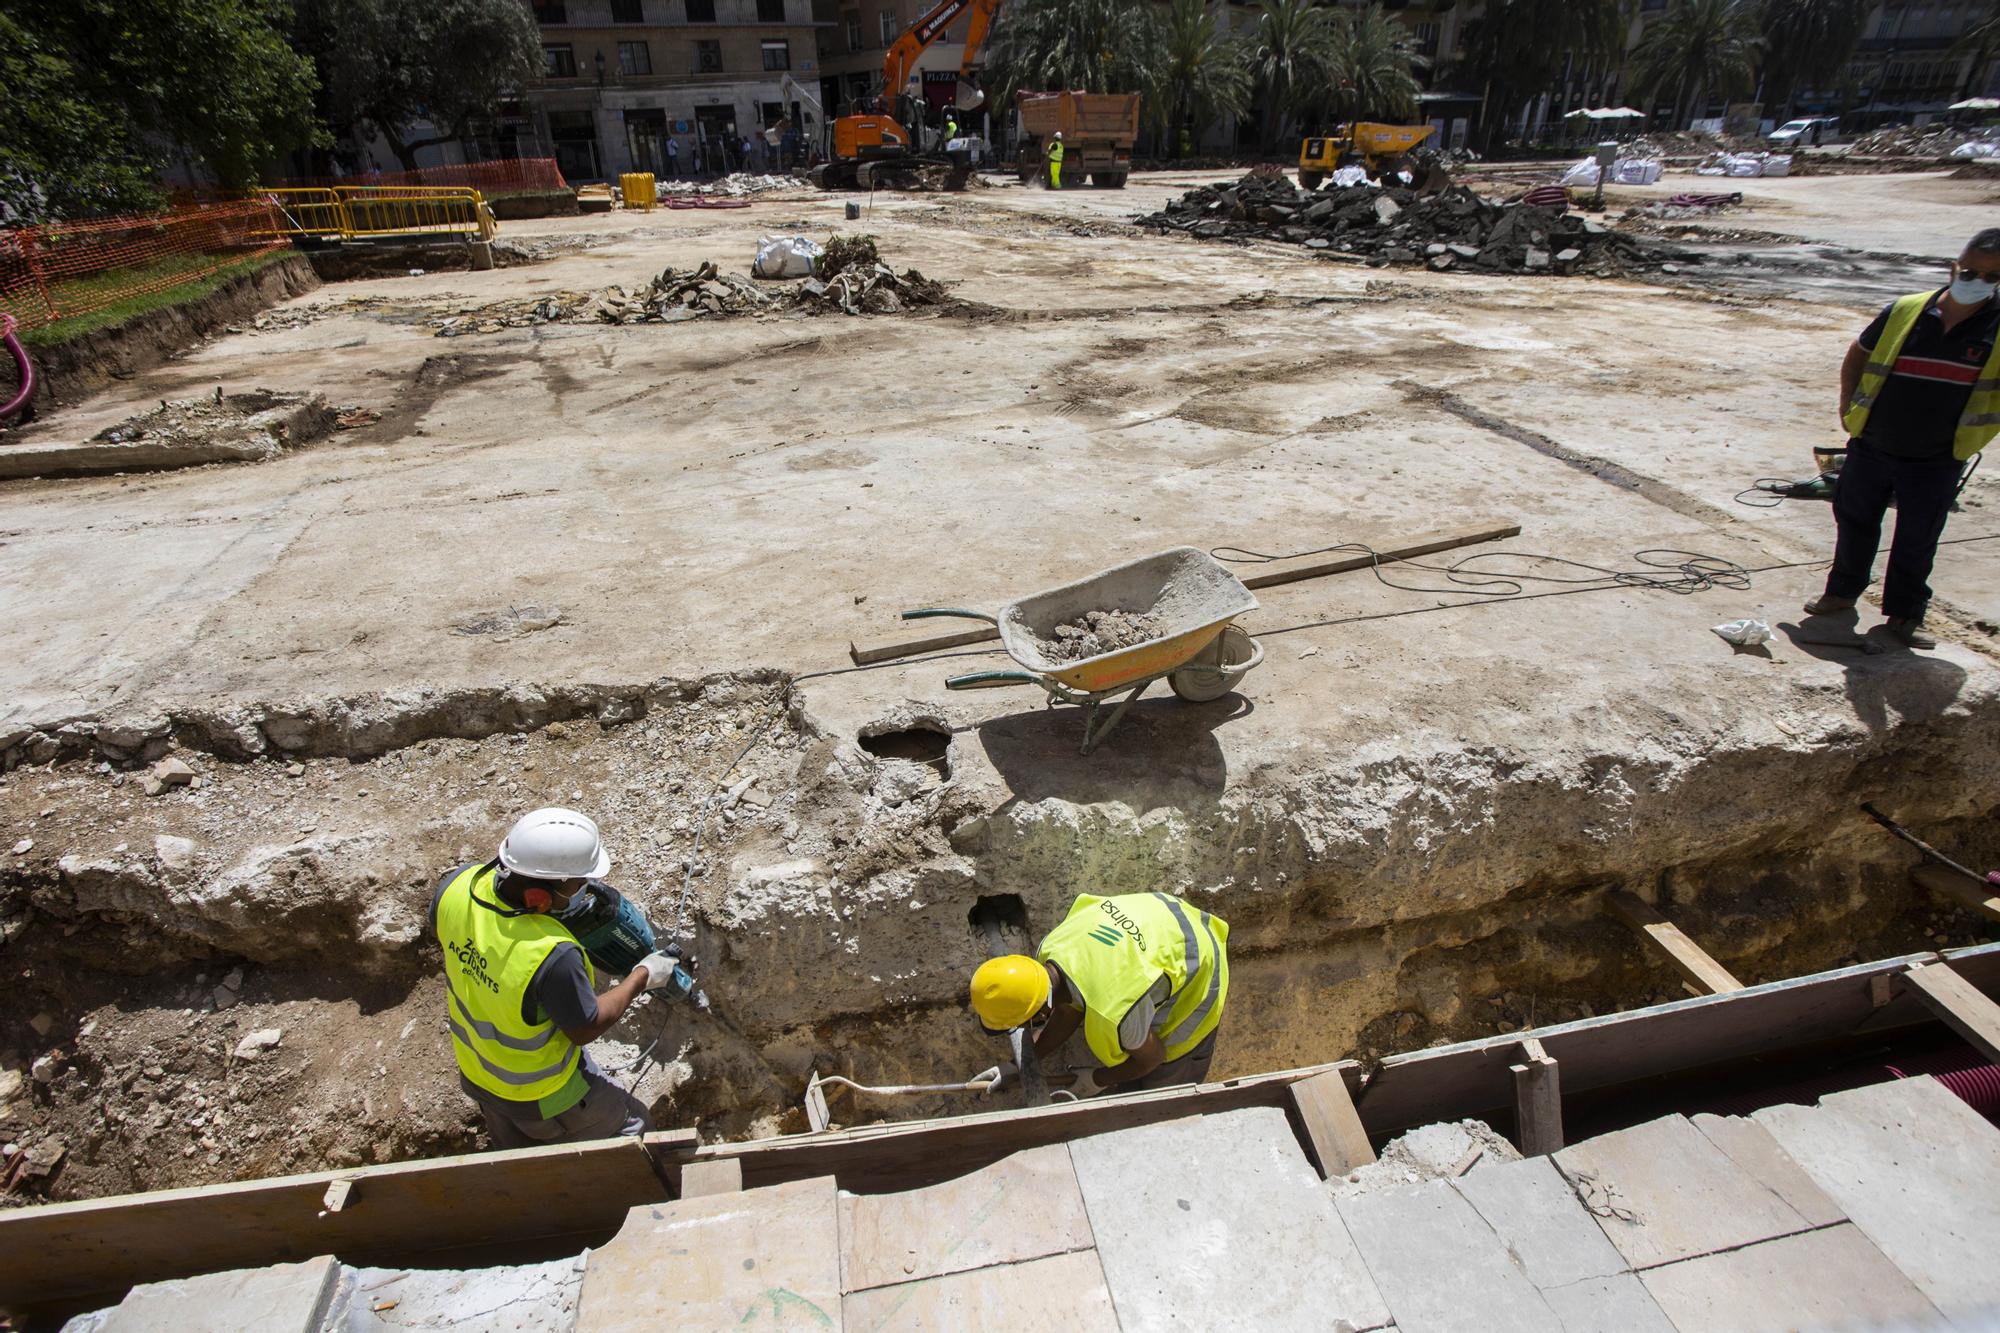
1176 1206
1662 1192
1535 1212
1615 1304
765 1258
1439 1265
524 1298
1750 1146
1025 1207
1831 1277
284 1298
1919 1172
1064 1291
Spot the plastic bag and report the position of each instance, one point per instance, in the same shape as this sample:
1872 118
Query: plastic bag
1344 177
786 257
1635 171
1778 164
1745 633
1583 173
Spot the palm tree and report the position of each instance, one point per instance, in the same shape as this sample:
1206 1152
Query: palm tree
1204 74
1699 48
1093 46
1516 48
1806 43
1288 48
1370 68
1979 40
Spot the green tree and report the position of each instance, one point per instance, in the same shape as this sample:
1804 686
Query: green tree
1203 74
1093 46
1370 67
99 91
1980 40
1517 48
1806 43
1290 50
1699 49
388 64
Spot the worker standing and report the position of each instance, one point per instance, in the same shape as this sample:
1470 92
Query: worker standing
521 999
1144 975
950 129
1056 161
1919 396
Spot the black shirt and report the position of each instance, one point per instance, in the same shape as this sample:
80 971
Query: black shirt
1919 407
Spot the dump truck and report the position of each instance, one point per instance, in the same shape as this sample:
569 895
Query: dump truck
1379 148
1098 131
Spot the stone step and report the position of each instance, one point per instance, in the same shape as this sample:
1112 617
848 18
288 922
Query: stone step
1833 1277
283 1298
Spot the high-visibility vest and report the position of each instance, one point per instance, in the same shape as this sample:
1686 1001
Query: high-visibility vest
1980 421
489 960
1113 950
1056 151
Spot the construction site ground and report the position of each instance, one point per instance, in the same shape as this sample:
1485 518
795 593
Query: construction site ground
579 564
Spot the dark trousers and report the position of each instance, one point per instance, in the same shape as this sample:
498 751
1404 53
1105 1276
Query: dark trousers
606 1112
1190 1068
1923 489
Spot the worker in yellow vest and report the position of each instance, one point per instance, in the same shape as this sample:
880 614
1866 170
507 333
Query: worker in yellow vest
1055 161
1919 396
521 998
1144 975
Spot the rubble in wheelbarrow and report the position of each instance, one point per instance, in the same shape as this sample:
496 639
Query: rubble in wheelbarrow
1096 632
1453 228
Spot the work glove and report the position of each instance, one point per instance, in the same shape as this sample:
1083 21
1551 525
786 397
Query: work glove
659 969
993 1078
1086 1084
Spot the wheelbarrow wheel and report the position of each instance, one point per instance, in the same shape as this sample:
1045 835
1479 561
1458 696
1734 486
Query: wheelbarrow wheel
1219 668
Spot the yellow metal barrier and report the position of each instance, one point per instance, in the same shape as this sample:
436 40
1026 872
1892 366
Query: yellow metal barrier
640 189
346 212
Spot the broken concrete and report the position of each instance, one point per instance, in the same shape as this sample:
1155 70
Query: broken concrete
232 428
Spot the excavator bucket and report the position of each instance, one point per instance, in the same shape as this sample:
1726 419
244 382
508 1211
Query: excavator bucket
970 95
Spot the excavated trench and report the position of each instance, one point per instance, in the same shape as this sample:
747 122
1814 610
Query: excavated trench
231 976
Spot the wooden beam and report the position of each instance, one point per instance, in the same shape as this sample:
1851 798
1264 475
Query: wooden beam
1332 1128
1281 571
1703 974
1975 895
723 1176
1963 1008
1538 1108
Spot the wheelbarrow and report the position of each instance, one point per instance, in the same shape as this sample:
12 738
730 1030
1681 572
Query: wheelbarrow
1198 650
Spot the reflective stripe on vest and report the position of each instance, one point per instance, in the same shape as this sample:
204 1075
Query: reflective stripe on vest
1977 424
490 960
1113 950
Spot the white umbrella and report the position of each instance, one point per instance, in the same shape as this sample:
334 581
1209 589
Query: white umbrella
1977 104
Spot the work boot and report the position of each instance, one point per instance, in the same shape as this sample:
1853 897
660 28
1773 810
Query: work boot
1909 632
1826 604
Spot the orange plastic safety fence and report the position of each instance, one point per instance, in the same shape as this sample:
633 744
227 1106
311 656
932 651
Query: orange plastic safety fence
500 176
61 270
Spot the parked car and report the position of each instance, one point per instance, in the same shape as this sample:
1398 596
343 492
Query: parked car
1809 132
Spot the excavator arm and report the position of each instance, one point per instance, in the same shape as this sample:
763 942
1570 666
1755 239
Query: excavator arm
904 52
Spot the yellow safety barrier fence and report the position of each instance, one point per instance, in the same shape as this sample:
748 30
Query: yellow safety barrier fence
640 189
348 212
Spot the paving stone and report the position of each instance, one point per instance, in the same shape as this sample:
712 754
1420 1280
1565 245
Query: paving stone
1616 1304
1064 1291
899 1238
1833 1277
1919 1172
1536 1213
525 1298
284 1298
764 1258
1439 1265
1750 1146
1662 1192
1176 1206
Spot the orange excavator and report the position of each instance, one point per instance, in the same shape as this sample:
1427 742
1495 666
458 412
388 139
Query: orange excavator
873 147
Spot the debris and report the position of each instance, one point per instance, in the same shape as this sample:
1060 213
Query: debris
1745 633
43 1070
224 998
174 853
24 846
43 1023
10 1087
172 773
256 1045
1927 141
786 257
41 1160
353 418
1096 632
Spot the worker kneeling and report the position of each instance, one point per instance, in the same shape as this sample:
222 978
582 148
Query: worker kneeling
521 995
1144 975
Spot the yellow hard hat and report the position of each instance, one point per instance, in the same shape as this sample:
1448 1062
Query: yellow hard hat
1008 991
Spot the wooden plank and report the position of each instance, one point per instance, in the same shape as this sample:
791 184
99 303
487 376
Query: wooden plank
1702 973
1332 1131
1538 1108
1963 1008
718 1177
390 1214
1948 883
1277 572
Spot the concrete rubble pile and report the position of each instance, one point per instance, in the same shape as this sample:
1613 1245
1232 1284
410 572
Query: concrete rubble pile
736 185
1454 228
1925 141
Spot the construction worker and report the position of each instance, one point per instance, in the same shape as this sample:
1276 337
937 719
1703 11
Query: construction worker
521 997
1144 975
1055 156
1919 396
950 129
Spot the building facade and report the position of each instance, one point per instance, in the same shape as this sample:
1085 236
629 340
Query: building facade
854 38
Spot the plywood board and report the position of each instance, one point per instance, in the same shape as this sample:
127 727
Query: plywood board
1700 971
1960 1005
1026 1206
1064 1291
1332 1128
1830 1278
1441 1268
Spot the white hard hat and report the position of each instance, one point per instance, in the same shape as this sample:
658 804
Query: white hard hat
554 843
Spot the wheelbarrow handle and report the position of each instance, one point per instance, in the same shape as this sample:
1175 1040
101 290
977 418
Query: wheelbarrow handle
992 680
933 612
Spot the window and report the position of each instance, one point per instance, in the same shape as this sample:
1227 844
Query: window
550 11
770 11
854 32
559 62
1426 38
890 26
701 11
628 11
771 112
708 57
777 54
634 58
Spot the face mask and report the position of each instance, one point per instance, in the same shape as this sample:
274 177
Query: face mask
1971 291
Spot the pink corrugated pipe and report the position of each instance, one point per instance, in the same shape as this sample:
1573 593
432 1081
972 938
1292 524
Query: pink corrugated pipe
19 402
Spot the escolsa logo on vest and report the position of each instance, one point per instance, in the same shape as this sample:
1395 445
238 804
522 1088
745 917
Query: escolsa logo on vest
472 963
1124 922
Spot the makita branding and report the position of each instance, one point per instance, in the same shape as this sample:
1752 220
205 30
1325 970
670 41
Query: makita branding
1124 922
472 963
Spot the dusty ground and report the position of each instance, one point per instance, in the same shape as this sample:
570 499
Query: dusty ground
1406 813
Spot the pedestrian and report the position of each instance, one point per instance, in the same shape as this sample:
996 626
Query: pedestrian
744 150
1919 396
1055 155
773 143
1144 975
673 157
521 999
